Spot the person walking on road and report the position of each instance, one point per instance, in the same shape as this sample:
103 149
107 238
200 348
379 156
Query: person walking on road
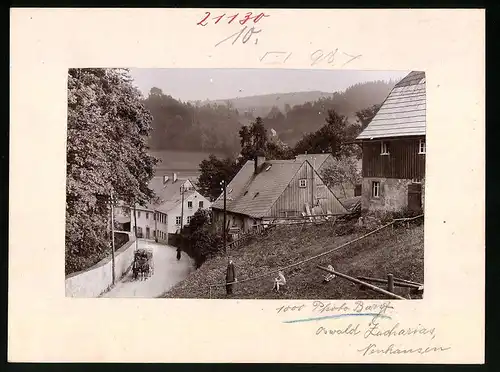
230 277
178 254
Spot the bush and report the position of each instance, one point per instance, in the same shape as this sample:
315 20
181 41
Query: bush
204 244
198 240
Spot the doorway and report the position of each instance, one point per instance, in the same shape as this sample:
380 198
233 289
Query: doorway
415 197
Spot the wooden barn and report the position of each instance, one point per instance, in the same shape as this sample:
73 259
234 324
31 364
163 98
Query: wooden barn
394 149
321 162
273 189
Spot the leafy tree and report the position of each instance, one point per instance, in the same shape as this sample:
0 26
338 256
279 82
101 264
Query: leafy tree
212 171
278 150
366 115
343 171
204 244
107 149
200 218
253 140
330 138
201 241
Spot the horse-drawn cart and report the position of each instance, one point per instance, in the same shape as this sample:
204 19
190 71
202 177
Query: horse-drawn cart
142 267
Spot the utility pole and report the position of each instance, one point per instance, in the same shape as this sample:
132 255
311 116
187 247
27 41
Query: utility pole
182 207
112 238
135 228
223 183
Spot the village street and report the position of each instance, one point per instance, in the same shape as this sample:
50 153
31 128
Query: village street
167 272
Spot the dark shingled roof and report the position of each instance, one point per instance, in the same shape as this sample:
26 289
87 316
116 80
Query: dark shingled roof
403 111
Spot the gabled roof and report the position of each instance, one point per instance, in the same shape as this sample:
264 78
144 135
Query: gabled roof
254 194
167 194
403 111
172 203
316 160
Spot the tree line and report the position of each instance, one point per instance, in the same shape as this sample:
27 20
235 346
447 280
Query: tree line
334 137
214 127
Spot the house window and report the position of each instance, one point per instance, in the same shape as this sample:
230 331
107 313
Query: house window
421 146
303 182
384 148
375 189
147 215
190 204
178 220
139 214
154 233
200 204
189 219
357 190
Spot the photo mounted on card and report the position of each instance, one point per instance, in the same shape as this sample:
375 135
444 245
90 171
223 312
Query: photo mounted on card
235 179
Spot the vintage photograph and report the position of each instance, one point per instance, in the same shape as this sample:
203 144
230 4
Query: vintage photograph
245 183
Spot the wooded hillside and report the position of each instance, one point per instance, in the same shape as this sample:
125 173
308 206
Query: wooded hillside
214 126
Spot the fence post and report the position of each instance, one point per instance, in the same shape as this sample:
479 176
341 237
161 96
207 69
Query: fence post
390 283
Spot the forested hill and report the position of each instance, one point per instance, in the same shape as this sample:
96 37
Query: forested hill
261 105
214 126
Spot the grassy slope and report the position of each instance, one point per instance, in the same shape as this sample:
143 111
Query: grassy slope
399 251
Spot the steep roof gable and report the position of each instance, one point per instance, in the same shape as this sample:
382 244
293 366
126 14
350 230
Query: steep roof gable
403 112
316 160
165 192
254 194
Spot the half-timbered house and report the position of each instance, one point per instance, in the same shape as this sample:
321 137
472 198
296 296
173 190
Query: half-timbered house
394 149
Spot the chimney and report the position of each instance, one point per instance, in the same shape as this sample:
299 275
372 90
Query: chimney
165 179
174 177
259 160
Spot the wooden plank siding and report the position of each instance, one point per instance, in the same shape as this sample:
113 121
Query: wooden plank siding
403 162
294 198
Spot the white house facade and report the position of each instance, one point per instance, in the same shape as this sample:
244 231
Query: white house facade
168 211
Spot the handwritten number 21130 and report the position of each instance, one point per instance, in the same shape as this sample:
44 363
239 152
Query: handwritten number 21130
245 18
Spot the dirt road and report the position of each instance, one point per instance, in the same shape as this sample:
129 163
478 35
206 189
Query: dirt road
167 272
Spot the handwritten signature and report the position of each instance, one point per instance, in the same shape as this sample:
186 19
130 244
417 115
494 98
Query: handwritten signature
360 309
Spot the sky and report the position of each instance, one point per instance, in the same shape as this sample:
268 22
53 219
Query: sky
213 84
